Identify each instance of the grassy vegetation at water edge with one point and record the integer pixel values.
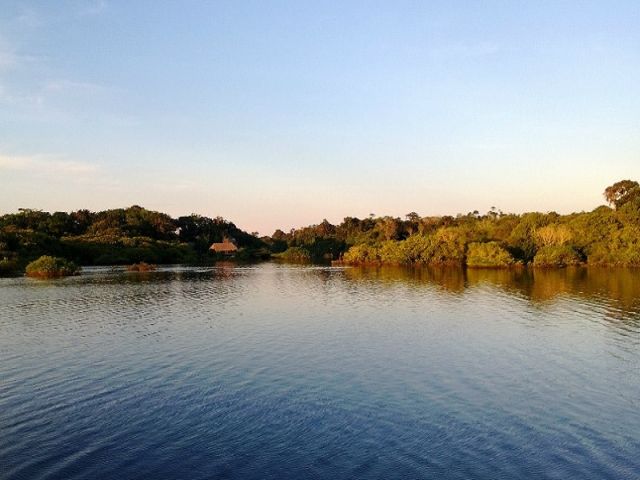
(51, 267)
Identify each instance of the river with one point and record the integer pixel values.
(276, 371)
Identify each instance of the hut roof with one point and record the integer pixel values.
(226, 246)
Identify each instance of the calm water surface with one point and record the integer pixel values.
(275, 371)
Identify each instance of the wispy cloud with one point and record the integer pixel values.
(41, 89)
(10, 56)
(39, 93)
(20, 100)
(39, 96)
(64, 85)
(33, 17)
(46, 164)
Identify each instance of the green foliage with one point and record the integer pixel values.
(116, 237)
(604, 236)
(277, 243)
(446, 247)
(418, 249)
(488, 255)
(622, 248)
(593, 227)
(449, 246)
(391, 252)
(622, 192)
(252, 254)
(325, 249)
(295, 255)
(629, 213)
(51, 267)
(361, 254)
(552, 235)
(556, 256)
(200, 232)
(522, 238)
(113, 250)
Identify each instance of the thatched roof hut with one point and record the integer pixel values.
(227, 246)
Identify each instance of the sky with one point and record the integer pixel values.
(280, 114)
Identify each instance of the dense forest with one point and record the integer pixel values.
(116, 237)
(608, 236)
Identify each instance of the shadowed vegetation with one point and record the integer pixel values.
(115, 237)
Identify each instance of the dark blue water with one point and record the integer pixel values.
(300, 372)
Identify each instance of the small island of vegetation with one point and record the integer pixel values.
(142, 267)
(51, 267)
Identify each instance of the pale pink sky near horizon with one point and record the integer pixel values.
(255, 206)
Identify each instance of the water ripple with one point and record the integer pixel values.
(276, 371)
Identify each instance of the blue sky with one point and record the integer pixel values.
(279, 114)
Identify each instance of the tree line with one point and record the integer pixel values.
(608, 235)
(115, 237)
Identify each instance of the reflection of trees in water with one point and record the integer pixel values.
(621, 285)
(451, 279)
(615, 287)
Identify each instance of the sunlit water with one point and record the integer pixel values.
(276, 371)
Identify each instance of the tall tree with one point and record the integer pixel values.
(621, 192)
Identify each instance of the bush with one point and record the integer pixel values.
(556, 256)
(418, 248)
(488, 255)
(51, 267)
(391, 252)
(361, 253)
(295, 254)
(621, 249)
(553, 235)
(449, 246)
